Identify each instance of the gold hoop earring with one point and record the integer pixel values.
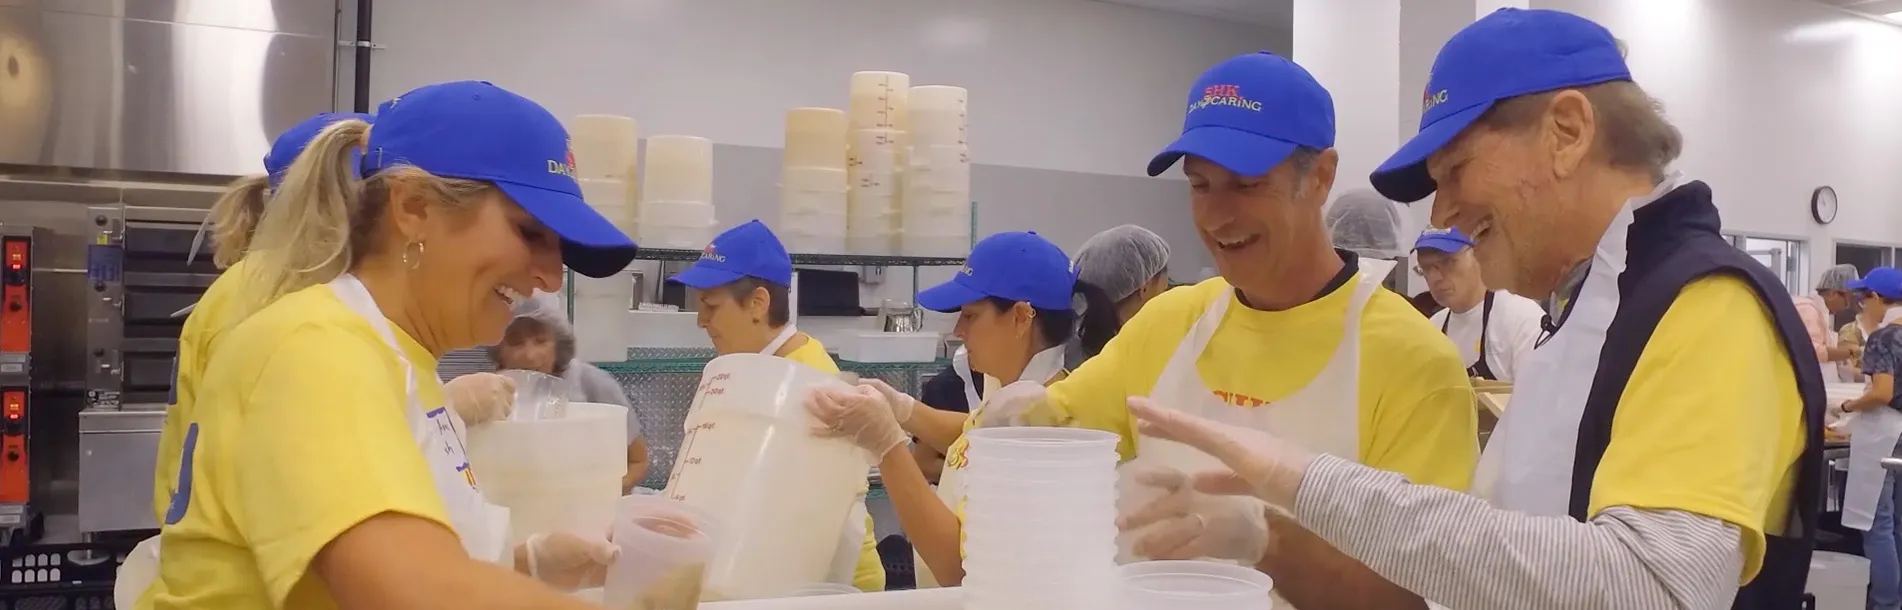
(415, 262)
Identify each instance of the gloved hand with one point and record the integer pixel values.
(569, 562)
(480, 397)
(1185, 523)
(902, 404)
(1258, 464)
(1017, 404)
(860, 414)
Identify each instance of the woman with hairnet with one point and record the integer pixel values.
(540, 339)
(1365, 223)
(1129, 263)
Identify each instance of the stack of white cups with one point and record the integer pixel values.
(607, 153)
(813, 182)
(1040, 519)
(877, 118)
(676, 209)
(936, 207)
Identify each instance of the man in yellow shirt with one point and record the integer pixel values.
(1663, 444)
(1295, 337)
(744, 279)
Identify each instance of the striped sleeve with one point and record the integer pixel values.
(1460, 552)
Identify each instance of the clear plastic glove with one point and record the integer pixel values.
(1185, 523)
(1258, 464)
(480, 397)
(1015, 405)
(902, 404)
(860, 414)
(569, 562)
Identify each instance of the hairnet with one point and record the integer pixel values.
(1837, 277)
(1366, 223)
(1122, 259)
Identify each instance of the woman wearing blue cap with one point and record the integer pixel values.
(1015, 300)
(744, 284)
(324, 469)
(1870, 495)
(232, 220)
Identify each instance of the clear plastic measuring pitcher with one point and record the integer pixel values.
(665, 547)
(780, 493)
(556, 474)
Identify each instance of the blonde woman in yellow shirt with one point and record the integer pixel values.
(323, 469)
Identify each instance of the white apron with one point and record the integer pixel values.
(961, 364)
(1322, 416)
(483, 527)
(1042, 368)
(1873, 433)
(1527, 465)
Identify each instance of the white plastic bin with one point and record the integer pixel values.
(553, 474)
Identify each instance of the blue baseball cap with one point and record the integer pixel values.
(478, 131)
(748, 250)
(1448, 240)
(1885, 282)
(286, 147)
(1509, 53)
(1248, 113)
(1015, 266)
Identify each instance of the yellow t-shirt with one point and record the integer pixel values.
(207, 321)
(870, 574)
(1711, 418)
(302, 434)
(1416, 405)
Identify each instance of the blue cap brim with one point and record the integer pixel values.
(1404, 177)
(949, 297)
(1243, 152)
(590, 244)
(704, 277)
(1855, 284)
(1448, 246)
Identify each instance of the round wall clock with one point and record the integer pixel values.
(1823, 205)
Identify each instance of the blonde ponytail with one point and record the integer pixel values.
(303, 237)
(234, 217)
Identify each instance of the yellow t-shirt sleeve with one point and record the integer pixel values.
(1096, 394)
(323, 444)
(1710, 421)
(1422, 418)
(870, 574)
(185, 374)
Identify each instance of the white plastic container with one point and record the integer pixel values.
(891, 347)
(1193, 585)
(665, 548)
(605, 146)
(878, 99)
(750, 459)
(1040, 519)
(1839, 581)
(553, 474)
(815, 137)
(679, 168)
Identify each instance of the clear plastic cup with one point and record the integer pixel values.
(1080, 471)
(1039, 443)
(1030, 484)
(665, 546)
(1060, 506)
(823, 588)
(1193, 585)
(538, 396)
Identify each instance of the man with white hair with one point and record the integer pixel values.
(1494, 329)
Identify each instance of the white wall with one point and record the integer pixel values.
(1072, 85)
(1775, 98)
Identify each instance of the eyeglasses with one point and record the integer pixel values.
(1425, 269)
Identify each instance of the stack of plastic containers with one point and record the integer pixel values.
(558, 474)
(1193, 585)
(607, 160)
(813, 182)
(780, 494)
(1040, 519)
(935, 213)
(877, 116)
(676, 209)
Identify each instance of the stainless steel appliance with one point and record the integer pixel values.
(139, 280)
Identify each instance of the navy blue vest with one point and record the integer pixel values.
(1672, 242)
